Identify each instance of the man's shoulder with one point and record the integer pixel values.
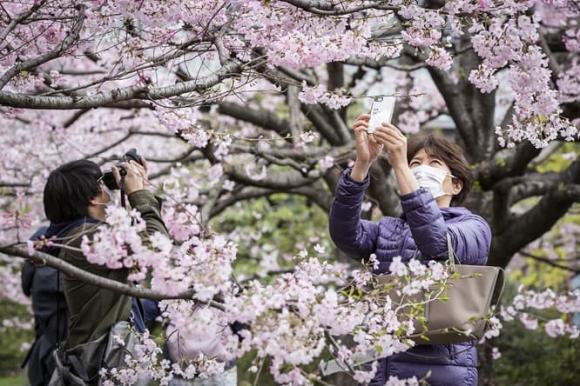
(74, 238)
(72, 242)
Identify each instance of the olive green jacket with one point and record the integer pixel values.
(94, 310)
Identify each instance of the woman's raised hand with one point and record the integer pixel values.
(367, 150)
(395, 144)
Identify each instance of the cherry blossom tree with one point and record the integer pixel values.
(236, 100)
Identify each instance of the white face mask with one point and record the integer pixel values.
(431, 178)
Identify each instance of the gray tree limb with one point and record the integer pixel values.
(261, 118)
(112, 97)
(68, 41)
(99, 281)
(539, 219)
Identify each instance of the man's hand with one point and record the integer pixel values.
(136, 177)
(395, 144)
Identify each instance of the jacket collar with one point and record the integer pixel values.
(60, 230)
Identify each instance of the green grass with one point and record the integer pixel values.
(17, 380)
(11, 341)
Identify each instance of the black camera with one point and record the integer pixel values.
(109, 178)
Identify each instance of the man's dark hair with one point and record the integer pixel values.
(448, 152)
(69, 189)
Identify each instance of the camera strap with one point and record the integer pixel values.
(58, 310)
(123, 194)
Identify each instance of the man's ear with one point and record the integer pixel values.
(457, 186)
(94, 201)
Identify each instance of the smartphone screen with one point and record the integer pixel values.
(381, 112)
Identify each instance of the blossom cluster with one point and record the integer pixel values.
(527, 306)
(313, 95)
(202, 264)
(505, 36)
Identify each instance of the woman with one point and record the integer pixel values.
(431, 174)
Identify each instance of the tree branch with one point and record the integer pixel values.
(14, 184)
(113, 97)
(533, 185)
(316, 193)
(24, 15)
(457, 109)
(549, 262)
(316, 115)
(381, 190)
(276, 180)
(261, 118)
(68, 41)
(502, 166)
(326, 8)
(99, 281)
(294, 113)
(340, 127)
(301, 154)
(552, 62)
(538, 220)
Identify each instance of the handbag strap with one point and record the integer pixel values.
(452, 257)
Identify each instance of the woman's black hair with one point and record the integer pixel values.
(69, 189)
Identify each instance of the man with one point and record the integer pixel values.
(75, 202)
(40, 283)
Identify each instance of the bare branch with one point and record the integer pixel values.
(552, 62)
(340, 127)
(539, 219)
(275, 180)
(14, 184)
(298, 76)
(301, 154)
(533, 185)
(294, 113)
(316, 115)
(261, 118)
(549, 262)
(316, 193)
(507, 163)
(325, 8)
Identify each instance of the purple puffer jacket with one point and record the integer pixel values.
(423, 225)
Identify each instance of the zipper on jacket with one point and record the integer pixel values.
(451, 349)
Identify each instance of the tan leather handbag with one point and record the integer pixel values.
(462, 310)
(471, 295)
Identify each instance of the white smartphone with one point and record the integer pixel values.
(381, 112)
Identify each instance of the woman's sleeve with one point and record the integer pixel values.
(349, 232)
(471, 238)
